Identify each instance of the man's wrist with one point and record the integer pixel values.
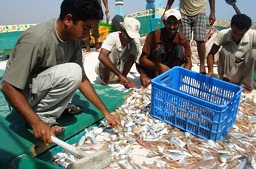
(143, 75)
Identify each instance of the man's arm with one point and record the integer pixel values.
(88, 91)
(145, 62)
(212, 12)
(188, 62)
(144, 79)
(210, 58)
(104, 58)
(168, 6)
(157, 67)
(41, 130)
(105, 2)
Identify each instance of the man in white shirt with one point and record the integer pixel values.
(118, 53)
(237, 58)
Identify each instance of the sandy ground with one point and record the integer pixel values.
(91, 59)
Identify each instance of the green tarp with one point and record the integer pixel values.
(17, 140)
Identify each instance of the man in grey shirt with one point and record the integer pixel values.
(45, 69)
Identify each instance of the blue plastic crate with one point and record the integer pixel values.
(201, 105)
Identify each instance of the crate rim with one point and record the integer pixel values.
(204, 76)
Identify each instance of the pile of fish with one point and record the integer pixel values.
(144, 142)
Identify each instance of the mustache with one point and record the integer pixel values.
(171, 29)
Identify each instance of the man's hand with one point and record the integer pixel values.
(212, 18)
(107, 17)
(145, 80)
(127, 83)
(43, 132)
(130, 85)
(113, 121)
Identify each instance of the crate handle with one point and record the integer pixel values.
(165, 77)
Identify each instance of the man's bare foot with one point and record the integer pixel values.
(246, 91)
(202, 69)
(104, 83)
(97, 46)
(87, 49)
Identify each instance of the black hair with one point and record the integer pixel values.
(81, 10)
(241, 21)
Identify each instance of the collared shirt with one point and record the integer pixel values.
(247, 42)
(113, 40)
(160, 36)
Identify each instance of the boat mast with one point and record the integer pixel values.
(150, 4)
(119, 7)
(154, 5)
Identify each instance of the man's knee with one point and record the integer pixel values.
(224, 51)
(73, 72)
(179, 52)
(158, 52)
(252, 54)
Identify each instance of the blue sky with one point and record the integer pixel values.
(37, 11)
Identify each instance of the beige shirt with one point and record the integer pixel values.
(247, 42)
(192, 7)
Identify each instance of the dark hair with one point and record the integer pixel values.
(241, 21)
(81, 10)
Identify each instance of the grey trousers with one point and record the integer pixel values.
(238, 72)
(53, 89)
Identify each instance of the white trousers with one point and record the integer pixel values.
(53, 89)
(238, 72)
